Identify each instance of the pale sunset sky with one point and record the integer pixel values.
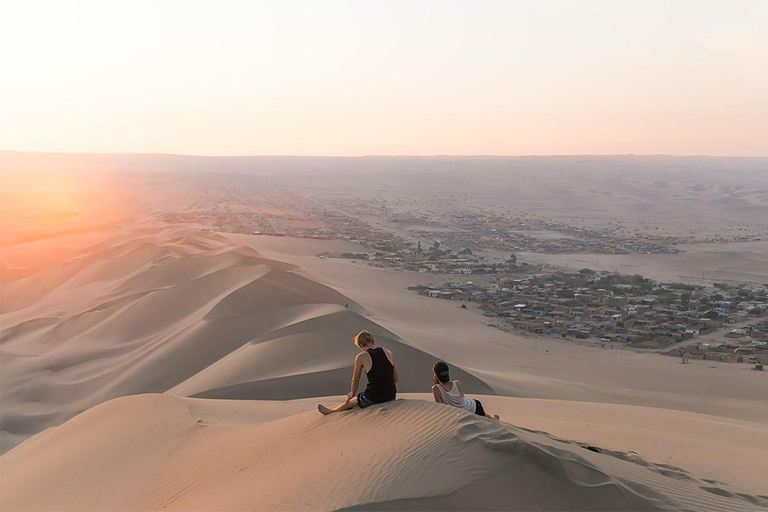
(360, 77)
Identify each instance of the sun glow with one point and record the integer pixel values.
(45, 197)
(37, 205)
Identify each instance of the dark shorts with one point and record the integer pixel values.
(363, 401)
(479, 408)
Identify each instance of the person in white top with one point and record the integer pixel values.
(450, 392)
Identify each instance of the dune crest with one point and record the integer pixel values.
(177, 310)
(150, 452)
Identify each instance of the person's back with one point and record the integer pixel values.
(380, 369)
(451, 393)
(381, 377)
(453, 397)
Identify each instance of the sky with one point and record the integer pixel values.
(392, 77)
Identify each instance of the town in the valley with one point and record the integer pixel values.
(474, 248)
(722, 323)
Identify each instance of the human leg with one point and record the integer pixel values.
(480, 411)
(349, 403)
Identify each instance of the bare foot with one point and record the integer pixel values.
(323, 410)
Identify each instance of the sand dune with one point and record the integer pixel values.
(308, 353)
(180, 310)
(515, 365)
(237, 336)
(710, 447)
(156, 451)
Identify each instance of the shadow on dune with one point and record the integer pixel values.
(180, 311)
(152, 452)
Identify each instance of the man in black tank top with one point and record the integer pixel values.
(381, 370)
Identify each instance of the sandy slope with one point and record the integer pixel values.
(151, 452)
(150, 308)
(153, 309)
(709, 447)
(745, 262)
(527, 367)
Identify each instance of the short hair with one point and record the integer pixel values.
(441, 370)
(363, 339)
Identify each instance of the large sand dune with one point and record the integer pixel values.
(176, 309)
(529, 367)
(158, 451)
(236, 336)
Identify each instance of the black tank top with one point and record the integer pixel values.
(381, 377)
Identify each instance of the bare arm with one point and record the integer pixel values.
(461, 389)
(395, 367)
(391, 358)
(436, 393)
(356, 374)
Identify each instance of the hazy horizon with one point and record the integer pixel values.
(393, 155)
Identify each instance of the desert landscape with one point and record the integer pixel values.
(398, 255)
(167, 336)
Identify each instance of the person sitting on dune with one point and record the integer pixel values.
(381, 370)
(450, 392)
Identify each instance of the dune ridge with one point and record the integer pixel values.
(151, 451)
(179, 310)
(236, 340)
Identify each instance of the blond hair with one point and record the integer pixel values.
(364, 339)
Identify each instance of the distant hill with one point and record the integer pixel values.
(23, 161)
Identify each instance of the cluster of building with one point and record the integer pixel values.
(291, 218)
(390, 230)
(522, 233)
(721, 239)
(745, 344)
(421, 261)
(630, 310)
(223, 219)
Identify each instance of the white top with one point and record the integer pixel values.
(454, 398)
